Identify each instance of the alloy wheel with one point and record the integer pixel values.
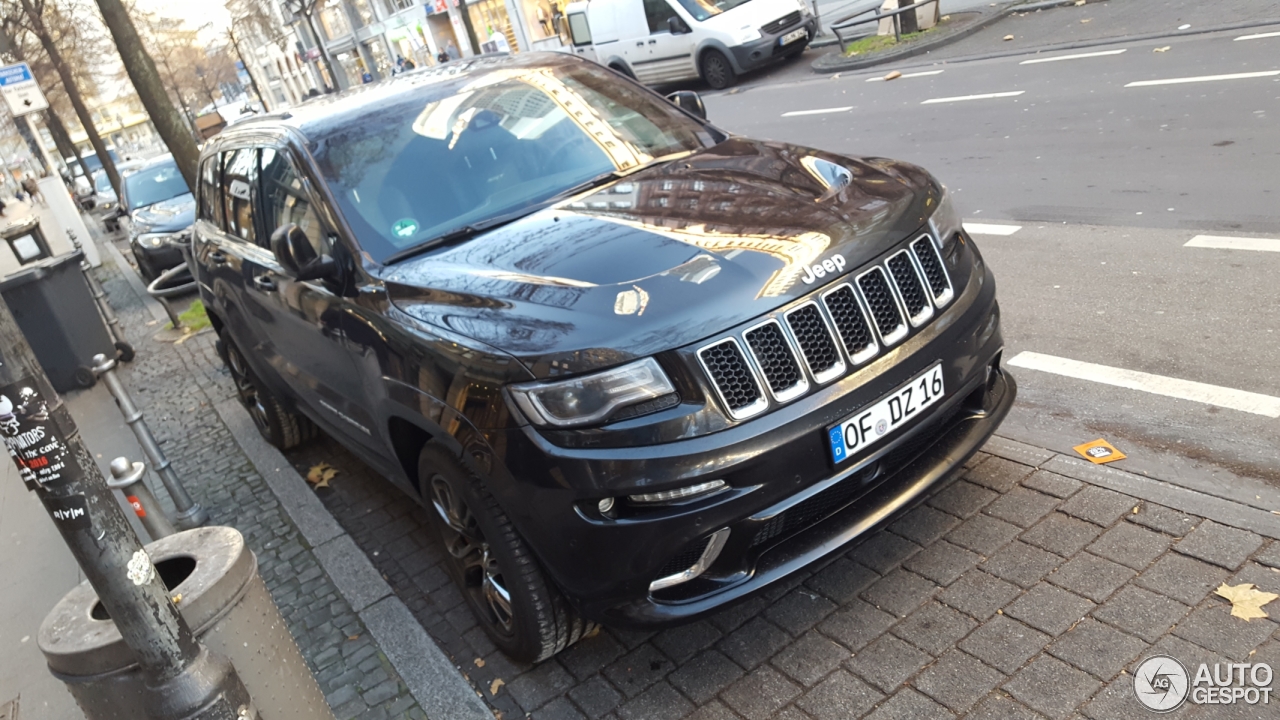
(245, 389)
(471, 555)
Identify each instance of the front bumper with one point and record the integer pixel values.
(749, 56)
(787, 506)
(157, 259)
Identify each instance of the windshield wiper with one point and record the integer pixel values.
(458, 234)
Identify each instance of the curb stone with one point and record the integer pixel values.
(435, 682)
(839, 63)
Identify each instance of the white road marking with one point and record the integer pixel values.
(1234, 243)
(1157, 384)
(820, 111)
(985, 229)
(1204, 78)
(962, 98)
(908, 75)
(1073, 57)
(1259, 36)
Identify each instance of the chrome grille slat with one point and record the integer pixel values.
(909, 284)
(817, 346)
(883, 305)
(930, 262)
(734, 379)
(851, 323)
(776, 358)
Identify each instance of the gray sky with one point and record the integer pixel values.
(195, 12)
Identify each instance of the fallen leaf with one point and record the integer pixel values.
(893, 75)
(1086, 20)
(944, 18)
(1008, 37)
(353, 637)
(495, 685)
(1079, 3)
(320, 475)
(479, 662)
(1246, 601)
(1162, 49)
(177, 598)
(1135, 509)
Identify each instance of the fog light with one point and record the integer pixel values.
(678, 494)
(605, 506)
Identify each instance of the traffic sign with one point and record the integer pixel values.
(20, 90)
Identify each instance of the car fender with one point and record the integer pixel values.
(711, 43)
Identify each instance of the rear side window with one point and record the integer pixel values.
(286, 200)
(658, 12)
(210, 200)
(239, 177)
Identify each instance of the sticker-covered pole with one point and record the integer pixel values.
(183, 679)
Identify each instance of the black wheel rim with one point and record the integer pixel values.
(246, 391)
(717, 71)
(469, 551)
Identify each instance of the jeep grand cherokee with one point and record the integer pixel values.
(638, 368)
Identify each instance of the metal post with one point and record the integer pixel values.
(183, 679)
(190, 514)
(127, 478)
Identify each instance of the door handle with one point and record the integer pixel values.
(264, 283)
(217, 257)
(640, 44)
(653, 42)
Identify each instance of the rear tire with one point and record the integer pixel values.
(716, 70)
(623, 70)
(283, 429)
(521, 611)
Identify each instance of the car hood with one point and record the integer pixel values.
(167, 215)
(666, 256)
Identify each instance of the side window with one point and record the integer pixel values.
(658, 12)
(240, 173)
(210, 199)
(286, 200)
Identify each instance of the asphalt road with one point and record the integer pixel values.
(1108, 183)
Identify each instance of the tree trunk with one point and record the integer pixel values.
(908, 19)
(150, 88)
(62, 139)
(73, 93)
(253, 79)
(466, 22)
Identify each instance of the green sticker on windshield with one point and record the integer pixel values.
(404, 228)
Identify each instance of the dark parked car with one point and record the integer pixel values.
(638, 367)
(159, 206)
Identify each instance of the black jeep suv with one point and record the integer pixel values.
(640, 368)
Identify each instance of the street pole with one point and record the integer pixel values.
(44, 151)
(183, 679)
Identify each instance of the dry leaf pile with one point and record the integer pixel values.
(320, 475)
(1246, 600)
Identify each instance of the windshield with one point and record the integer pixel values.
(703, 9)
(154, 184)
(489, 145)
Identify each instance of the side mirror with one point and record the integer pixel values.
(294, 252)
(676, 25)
(689, 101)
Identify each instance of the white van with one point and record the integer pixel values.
(661, 41)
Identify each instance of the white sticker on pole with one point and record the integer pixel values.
(20, 90)
(140, 568)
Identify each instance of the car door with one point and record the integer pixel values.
(670, 56)
(302, 328)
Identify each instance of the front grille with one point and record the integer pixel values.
(910, 287)
(826, 338)
(778, 25)
(816, 344)
(875, 289)
(732, 377)
(931, 263)
(777, 362)
(685, 559)
(850, 322)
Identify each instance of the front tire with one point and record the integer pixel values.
(283, 429)
(716, 70)
(520, 610)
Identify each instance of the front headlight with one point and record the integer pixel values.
(945, 222)
(591, 398)
(152, 240)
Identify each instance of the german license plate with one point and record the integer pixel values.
(792, 36)
(877, 422)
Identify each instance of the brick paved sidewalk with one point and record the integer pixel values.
(177, 386)
(1016, 592)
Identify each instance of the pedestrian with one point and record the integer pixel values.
(32, 190)
(408, 65)
(442, 57)
(366, 77)
(452, 50)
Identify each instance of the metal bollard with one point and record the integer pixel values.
(127, 478)
(189, 512)
(104, 306)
